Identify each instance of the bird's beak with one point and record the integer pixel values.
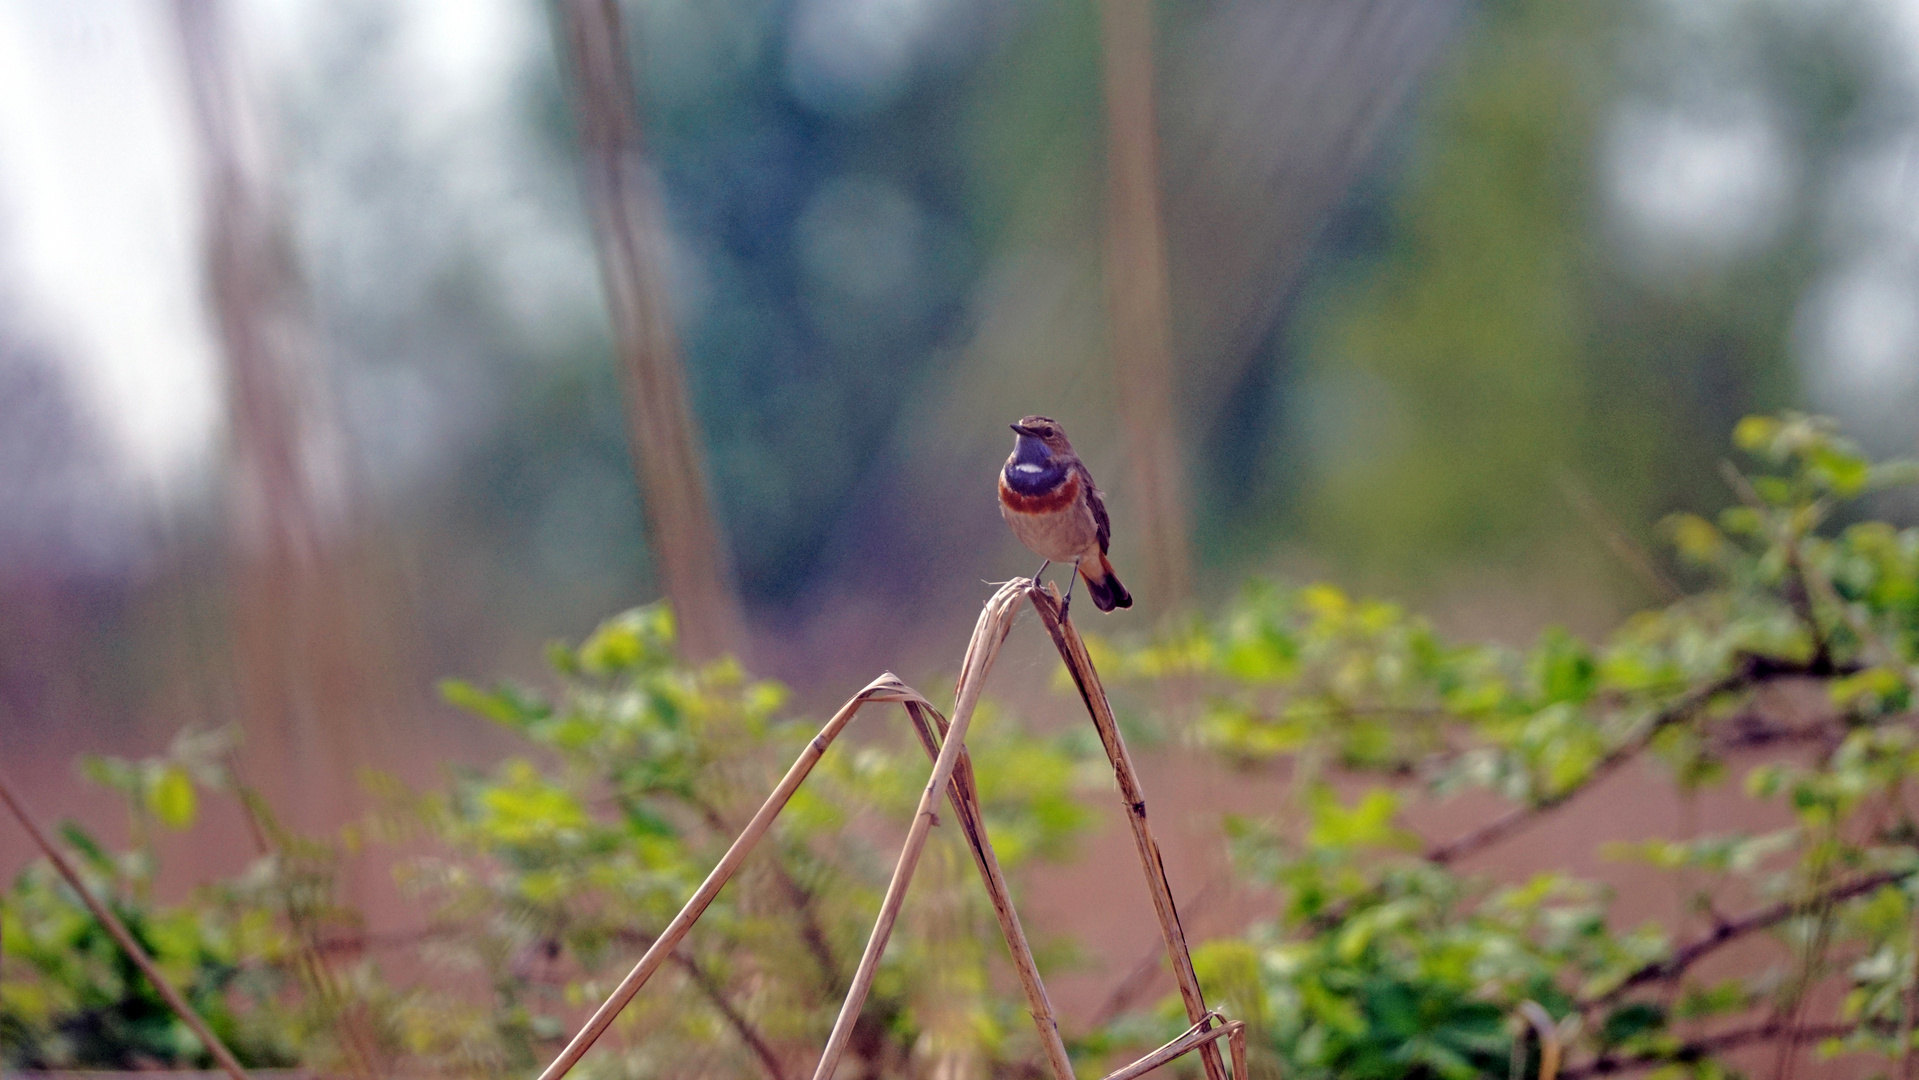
(1026, 431)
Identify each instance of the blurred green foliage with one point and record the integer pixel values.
(1384, 959)
(554, 876)
(1788, 675)
(72, 999)
(542, 881)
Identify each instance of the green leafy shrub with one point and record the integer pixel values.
(1384, 959)
(545, 877)
(555, 873)
(73, 999)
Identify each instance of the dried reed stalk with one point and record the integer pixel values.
(1197, 1037)
(953, 774)
(995, 622)
(1078, 664)
(629, 236)
(1139, 301)
(885, 688)
(1543, 1025)
(964, 795)
(118, 929)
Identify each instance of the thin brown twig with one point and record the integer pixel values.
(1702, 1048)
(811, 932)
(1750, 671)
(1518, 818)
(1200, 1031)
(1809, 971)
(121, 934)
(963, 793)
(1079, 665)
(742, 1027)
(1729, 931)
(270, 839)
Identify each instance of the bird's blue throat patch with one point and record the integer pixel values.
(1033, 470)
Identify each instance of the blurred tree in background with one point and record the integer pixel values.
(1610, 231)
(1451, 283)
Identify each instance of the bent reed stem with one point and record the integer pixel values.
(1079, 665)
(963, 793)
(995, 622)
(952, 776)
(885, 688)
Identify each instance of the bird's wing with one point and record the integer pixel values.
(1100, 522)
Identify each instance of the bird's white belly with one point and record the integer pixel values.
(1060, 535)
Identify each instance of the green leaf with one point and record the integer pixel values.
(1844, 474)
(1696, 539)
(503, 705)
(91, 850)
(1369, 823)
(172, 799)
(1632, 1021)
(1872, 682)
(1754, 433)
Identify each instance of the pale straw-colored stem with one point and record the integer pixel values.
(885, 688)
(963, 793)
(118, 929)
(1547, 1029)
(995, 621)
(1197, 1037)
(1080, 666)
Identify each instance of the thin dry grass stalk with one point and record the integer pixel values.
(1080, 666)
(1139, 299)
(1197, 1037)
(1547, 1030)
(953, 775)
(885, 688)
(995, 622)
(118, 929)
(629, 238)
(964, 795)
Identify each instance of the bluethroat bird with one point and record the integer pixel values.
(1050, 500)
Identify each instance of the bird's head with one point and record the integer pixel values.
(1045, 431)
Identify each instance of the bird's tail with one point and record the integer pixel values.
(1107, 592)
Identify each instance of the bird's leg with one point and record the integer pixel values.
(1041, 570)
(1068, 602)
